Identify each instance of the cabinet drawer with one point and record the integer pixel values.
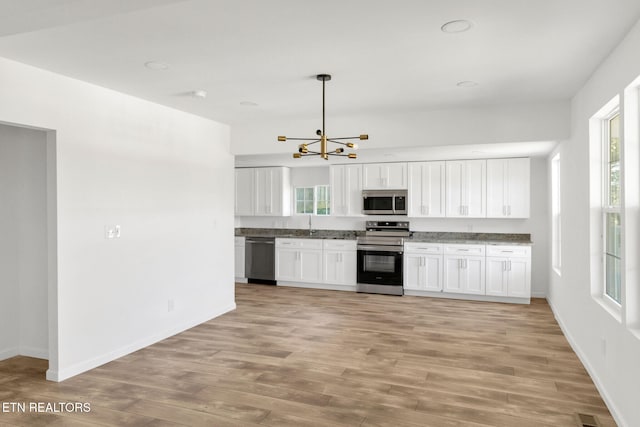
(423, 248)
(474, 250)
(508, 251)
(339, 245)
(239, 240)
(299, 243)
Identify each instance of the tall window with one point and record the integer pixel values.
(612, 229)
(313, 200)
(556, 253)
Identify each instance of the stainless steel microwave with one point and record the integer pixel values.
(384, 202)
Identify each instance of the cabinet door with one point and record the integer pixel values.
(239, 261)
(372, 176)
(272, 191)
(263, 185)
(310, 266)
(496, 276)
(346, 190)
(395, 176)
(452, 274)
(454, 198)
(432, 266)
(475, 188)
(472, 276)
(338, 190)
(508, 188)
(518, 188)
(426, 189)
(244, 192)
(497, 188)
(519, 277)
(413, 271)
(339, 267)
(286, 264)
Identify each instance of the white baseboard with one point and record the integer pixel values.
(468, 297)
(613, 409)
(78, 368)
(538, 295)
(38, 353)
(330, 287)
(9, 353)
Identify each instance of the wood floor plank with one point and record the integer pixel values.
(305, 357)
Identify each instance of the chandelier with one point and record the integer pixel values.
(303, 149)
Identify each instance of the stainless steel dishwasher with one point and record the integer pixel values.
(260, 260)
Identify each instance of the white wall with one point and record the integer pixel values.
(481, 125)
(610, 349)
(9, 281)
(536, 225)
(155, 172)
(23, 192)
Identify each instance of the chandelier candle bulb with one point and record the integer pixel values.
(324, 152)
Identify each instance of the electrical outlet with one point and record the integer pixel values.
(109, 232)
(117, 232)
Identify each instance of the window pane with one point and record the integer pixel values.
(614, 184)
(614, 138)
(612, 255)
(612, 233)
(308, 206)
(299, 193)
(299, 207)
(613, 277)
(308, 194)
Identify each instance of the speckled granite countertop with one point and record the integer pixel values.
(470, 238)
(416, 236)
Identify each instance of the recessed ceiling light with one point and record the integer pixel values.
(248, 104)
(156, 65)
(467, 83)
(199, 93)
(458, 26)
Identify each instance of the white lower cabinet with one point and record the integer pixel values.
(464, 269)
(509, 271)
(299, 260)
(423, 264)
(339, 262)
(239, 257)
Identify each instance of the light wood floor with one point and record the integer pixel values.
(302, 357)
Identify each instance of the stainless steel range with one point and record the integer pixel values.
(380, 253)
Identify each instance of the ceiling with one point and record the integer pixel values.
(384, 55)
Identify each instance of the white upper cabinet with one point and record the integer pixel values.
(426, 189)
(382, 176)
(346, 190)
(508, 188)
(466, 188)
(244, 191)
(263, 191)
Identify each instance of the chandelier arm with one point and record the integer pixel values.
(346, 137)
(338, 142)
(303, 139)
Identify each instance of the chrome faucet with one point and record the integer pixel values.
(311, 231)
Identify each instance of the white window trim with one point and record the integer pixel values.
(596, 197)
(556, 214)
(606, 208)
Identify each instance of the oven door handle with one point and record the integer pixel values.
(377, 248)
